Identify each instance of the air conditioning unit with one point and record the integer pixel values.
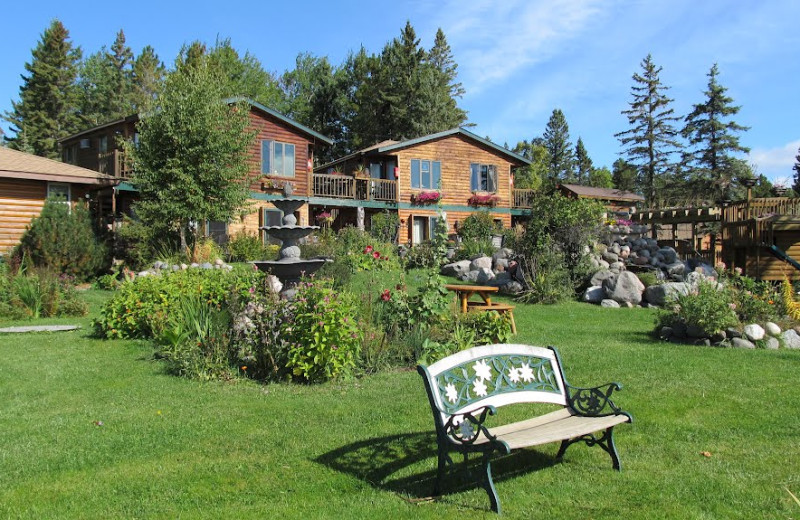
(85, 143)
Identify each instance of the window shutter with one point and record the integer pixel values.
(475, 180)
(415, 181)
(492, 179)
(436, 168)
(266, 163)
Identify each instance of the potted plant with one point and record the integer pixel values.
(361, 171)
(426, 197)
(487, 199)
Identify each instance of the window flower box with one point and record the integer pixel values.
(276, 184)
(483, 200)
(426, 197)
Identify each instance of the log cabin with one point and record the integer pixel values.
(453, 174)
(27, 180)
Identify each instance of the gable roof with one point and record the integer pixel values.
(277, 115)
(390, 145)
(20, 165)
(590, 192)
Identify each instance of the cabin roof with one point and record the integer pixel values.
(20, 165)
(590, 192)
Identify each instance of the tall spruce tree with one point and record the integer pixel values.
(652, 139)
(148, 76)
(713, 139)
(583, 163)
(105, 83)
(440, 89)
(796, 168)
(47, 106)
(559, 149)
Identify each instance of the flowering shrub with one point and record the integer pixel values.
(399, 309)
(324, 218)
(623, 222)
(710, 308)
(483, 200)
(427, 197)
(34, 294)
(370, 259)
(141, 307)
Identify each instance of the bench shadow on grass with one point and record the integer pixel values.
(406, 465)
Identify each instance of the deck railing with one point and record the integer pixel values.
(114, 163)
(523, 198)
(758, 208)
(344, 187)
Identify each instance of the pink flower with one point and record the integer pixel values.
(376, 255)
(367, 249)
(386, 295)
(738, 271)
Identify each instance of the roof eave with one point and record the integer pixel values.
(283, 118)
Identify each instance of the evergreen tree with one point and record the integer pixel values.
(556, 141)
(713, 138)
(47, 108)
(583, 163)
(243, 75)
(624, 175)
(796, 168)
(439, 89)
(651, 139)
(121, 61)
(105, 84)
(403, 58)
(533, 175)
(148, 76)
(191, 160)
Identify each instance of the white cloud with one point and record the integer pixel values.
(775, 162)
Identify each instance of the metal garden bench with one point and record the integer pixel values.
(467, 387)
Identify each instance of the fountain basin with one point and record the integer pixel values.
(291, 269)
(292, 234)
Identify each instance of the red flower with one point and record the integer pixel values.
(376, 255)
(386, 295)
(368, 249)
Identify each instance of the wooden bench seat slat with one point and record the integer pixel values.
(521, 436)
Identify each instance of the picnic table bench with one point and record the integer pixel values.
(464, 389)
(465, 292)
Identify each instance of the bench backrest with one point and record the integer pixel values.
(493, 375)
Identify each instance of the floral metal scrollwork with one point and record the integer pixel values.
(593, 402)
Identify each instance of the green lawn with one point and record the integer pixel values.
(170, 448)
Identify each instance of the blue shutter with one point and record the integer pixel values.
(475, 180)
(415, 173)
(266, 163)
(436, 168)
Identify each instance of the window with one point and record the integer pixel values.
(426, 174)
(272, 217)
(484, 177)
(422, 229)
(277, 158)
(217, 231)
(70, 154)
(58, 191)
(102, 144)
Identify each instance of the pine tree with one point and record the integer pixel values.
(796, 168)
(583, 163)
(47, 108)
(714, 139)
(651, 140)
(624, 175)
(148, 76)
(556, 141)
(440, 89)
(121, 61)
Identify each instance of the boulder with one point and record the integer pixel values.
(511, 288)
(773, 343)
(499, 279)
(615, 248)
(603, 264)
(624, 252)
(600, 276)
(219, 261)
(594, 294)
(625, 288)
(675, 268)
(733, 333)
(772, 328)
(741, 343)
(791, 339)
(609, 303)
(456, 268)
(641, 260)
(206, 265)
(484, 275)
(482, 262)
(693, 331)
(670, 255)
(754, 332)
(610, 257)
(501, 264)
(471, 276)
(665, 333)
(661, 293)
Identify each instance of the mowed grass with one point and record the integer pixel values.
(364, 448)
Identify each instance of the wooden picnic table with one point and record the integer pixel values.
(465, 292)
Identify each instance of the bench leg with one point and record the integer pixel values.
(606, 442)
(444, 461)
(488, 484)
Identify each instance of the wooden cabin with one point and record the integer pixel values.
(613, 199)
(454, 173)
(282, 153)
(27, 180)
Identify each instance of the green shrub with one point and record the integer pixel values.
(39, 294)
(141, 307)
(462, 331)
(649, 278)
(245, 247)
(472, 248)
(422, 256)
(708, 308)
(62, 239)
(384, 226)
(477, 226)
(398, 309)
(549, 280)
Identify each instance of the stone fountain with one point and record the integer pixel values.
(290, 267)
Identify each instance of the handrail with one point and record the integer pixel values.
(523, 198)
(346, 187)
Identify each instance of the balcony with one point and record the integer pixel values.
(345, 187)
(114, 163)
(522, 198)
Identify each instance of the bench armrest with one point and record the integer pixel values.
(593, 402)
(466, 428)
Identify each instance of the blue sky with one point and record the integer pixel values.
(518, 59)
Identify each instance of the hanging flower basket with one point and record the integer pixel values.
(483, 200)
(324, 218)
(426, 197)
